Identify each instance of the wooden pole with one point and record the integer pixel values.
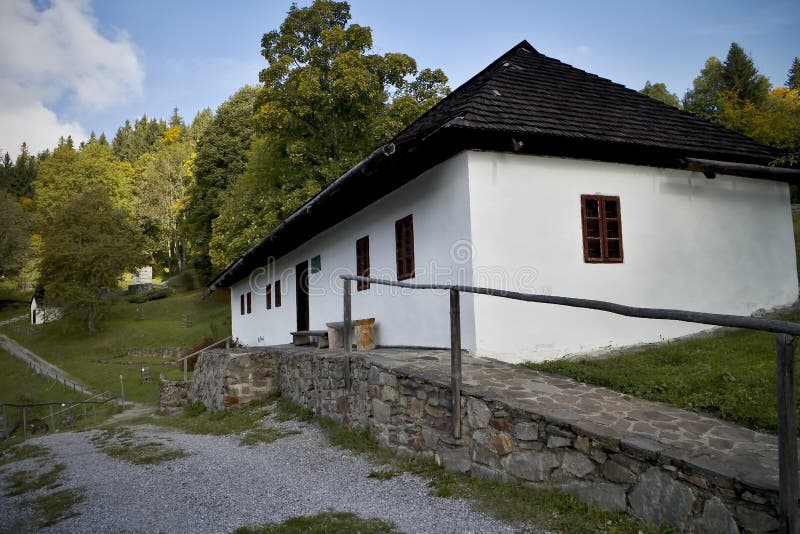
(52, 419)
(6, 426)
(455, 360)
(24, 422)
(185, 369)
(346, 343)
(787, 436)
(122, 390)
(84, 414)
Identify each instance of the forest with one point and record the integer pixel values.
(191, 196)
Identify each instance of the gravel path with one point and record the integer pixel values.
(223, 485)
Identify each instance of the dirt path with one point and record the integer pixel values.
(42, 366)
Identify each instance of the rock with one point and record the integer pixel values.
(608, 497)
(373, 376)
(598, 456)
(455, 459)
(434, 411)
(558, 431)
(554, 442)
(389, 394)
(526, 431)
(230, 400)
(478, 413)
(485, 455)
(487, 473)
(381, 411)
(754, 520)
(716, 519)
(658, 499)
(750, 497)
(616, 473)
(431, 437)
(583, 444)
(577, 464)
(530, 465)
(502, 443)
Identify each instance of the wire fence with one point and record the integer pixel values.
(41, 417)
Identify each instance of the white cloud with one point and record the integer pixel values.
(57, 54)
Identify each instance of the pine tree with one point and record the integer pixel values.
(793, 81)
(742, 78)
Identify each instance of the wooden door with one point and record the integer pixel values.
(301, 293)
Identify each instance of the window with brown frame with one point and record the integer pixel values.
(241, 304)
(602, 229)
(249, 303)
(362, 261)
(404, 247)
(277, 293)
(269, 296)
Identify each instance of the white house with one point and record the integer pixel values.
(41, 314)
(537, 177)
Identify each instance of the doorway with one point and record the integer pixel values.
(301, 295)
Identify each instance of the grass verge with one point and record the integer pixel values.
(324, 523)
(195, 419)
(55, 507)
(730, 375)
(21, 482)
(17, 453)
(120, 443)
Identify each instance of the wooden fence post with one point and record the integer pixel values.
(346, 343)
(122, 390)
(52, 419)
(185, 369)
(24, 422)
(455, 360)
(787, 435)
(6, 426)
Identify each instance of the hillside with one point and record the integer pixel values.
(183, 320)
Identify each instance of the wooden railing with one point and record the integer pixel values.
(785, 348)
(67, 406)
(185, 359)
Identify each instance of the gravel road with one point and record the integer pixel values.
(223, 485)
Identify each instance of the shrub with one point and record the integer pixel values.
(194, 409)
(153, 294)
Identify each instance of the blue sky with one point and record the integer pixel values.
(72, 66)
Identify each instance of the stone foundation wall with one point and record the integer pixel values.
(173, 396)
(411, 415)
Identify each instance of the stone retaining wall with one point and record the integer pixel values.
(411, 415)
(173, 396)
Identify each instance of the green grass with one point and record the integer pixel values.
(729, 375)
(120, 443)
(67, 344)
(324, 523)
(10, 454)
(195, 420)
(264, 435)
(21, 482)
(55, 507)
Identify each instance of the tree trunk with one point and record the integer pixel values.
(92, 317)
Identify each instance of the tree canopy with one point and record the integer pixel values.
(325, 103)
(658, 91)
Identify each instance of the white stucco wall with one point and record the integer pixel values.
(439, 203)
(724, 245)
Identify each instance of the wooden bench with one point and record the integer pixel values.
(364, 334)
(303, 337)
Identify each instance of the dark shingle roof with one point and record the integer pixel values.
(527, 102)
(526, 92)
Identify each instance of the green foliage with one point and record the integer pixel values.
(702, 98)
(15, 235)
(67, 174)
(221, 156)
(194, 409)
(21, 482)
(88, 244)
(55, 507)
(325, 103)
(793, 79)
(153, 294)
(17, 177)
(131, 142)
(121, 443)
(219, 423)
(775, 122)
(287, 410)
(323, 523)
(658, 91)
(741, 76)
(18, 453)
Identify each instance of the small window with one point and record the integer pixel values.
(404, 247)
(602, 229)
(316, 264)
(277, 293)
(249, 303)
(269, 296)
(241, 304)
(362, 261)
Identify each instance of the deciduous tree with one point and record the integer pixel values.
(659, 92)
